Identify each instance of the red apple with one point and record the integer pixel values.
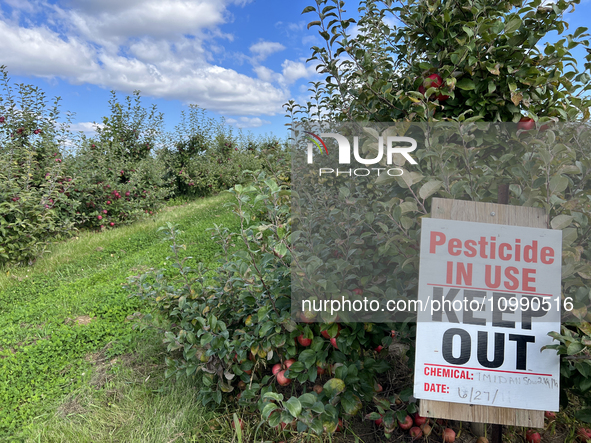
(550, 415)
(406, 424)
(419, 421)
(436, 81)
(526, 124)
(282, 379)
(449, 435)
(248, 371)
(304, 341)
(379, 348)
(358, 291)
(276, 368)
(320, 370)
(288, 363)
(584, 434)
(379, 421)
(379, 388)
(433, 81)
(318, 389)
(426, 428)
(333, 341)
(415, 432)
(339, 426)
(533, 436)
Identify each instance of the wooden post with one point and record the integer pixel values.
(496, 435)
(502, 215)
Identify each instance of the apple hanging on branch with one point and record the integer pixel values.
(433, 81)
(526, 124)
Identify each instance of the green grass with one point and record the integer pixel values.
(65, 320)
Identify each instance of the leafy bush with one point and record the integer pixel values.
(116, 179)
(131, 131)
(231, 327)
(447, 60)
(28, 218)
(32, 182)
(204, 156)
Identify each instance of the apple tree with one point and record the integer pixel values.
(450, 60)
(512, 88)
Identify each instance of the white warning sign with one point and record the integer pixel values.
(489, 295)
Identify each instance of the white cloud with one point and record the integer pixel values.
(299, 26)
(263, 49)
(293, 71)
(160, 48)
(41, 52)
(88, 128)
(266, 74)
(115, 20)
(245, 122)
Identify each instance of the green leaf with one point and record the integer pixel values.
(307, 400)
(558, 183)
(351, 404)
(583, 415)
(308, 357)
(429, 188)
(206, 338)
(513, 25)
(316, 426)
(269, 407)
(273, 396)
(274, 419)
(561, 221)
(294, 406)
(574, 348)
(318, 407)
(373, 416)
(466, 84)
(296, 367)
(334, 387)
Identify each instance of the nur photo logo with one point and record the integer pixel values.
(387, 146)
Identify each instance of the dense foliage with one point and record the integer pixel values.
(234, 331)
(53, 182)
(464, 62)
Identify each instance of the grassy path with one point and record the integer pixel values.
(68, 356)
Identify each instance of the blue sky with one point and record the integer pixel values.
(237, 58)
(242, 59)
